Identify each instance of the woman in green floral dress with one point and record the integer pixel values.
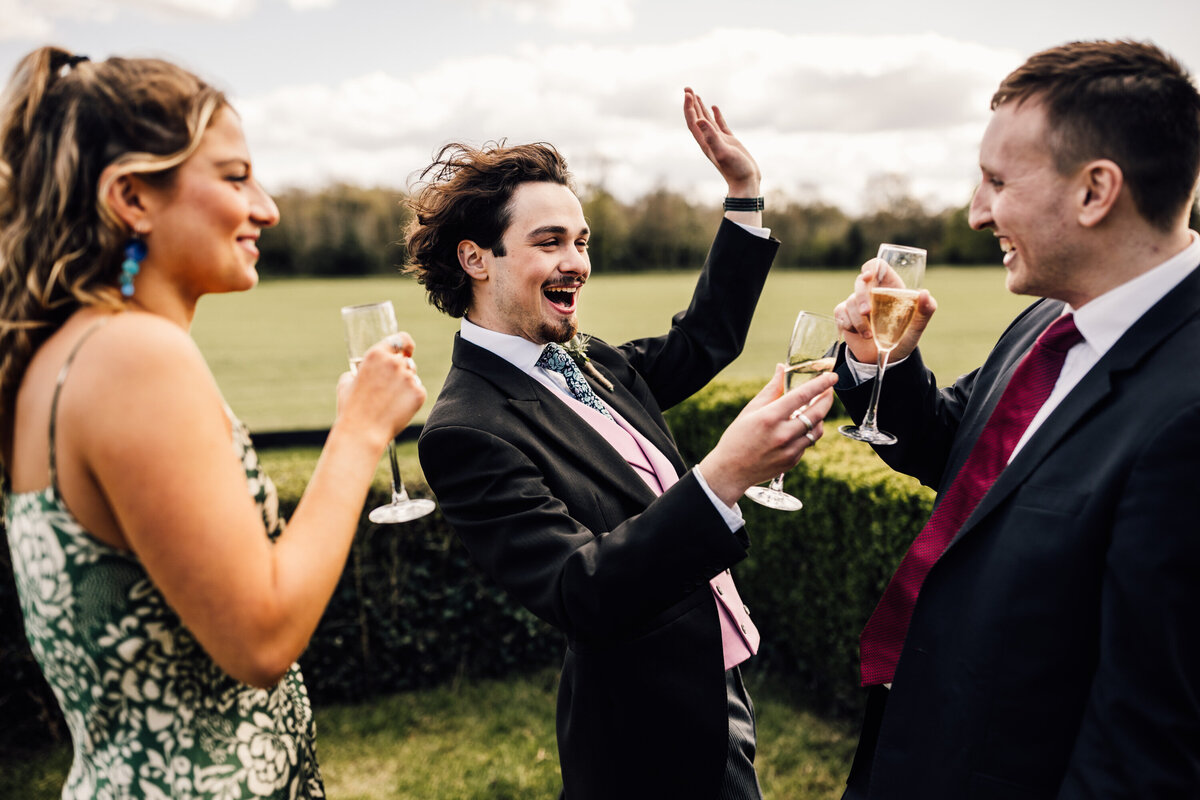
(162, 597)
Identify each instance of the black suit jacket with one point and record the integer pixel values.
(1053, 650)
(562, 522)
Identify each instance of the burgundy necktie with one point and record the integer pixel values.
(1031, 384)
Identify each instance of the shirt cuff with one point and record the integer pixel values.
(862, 372)
(731, 514)
(762, 233)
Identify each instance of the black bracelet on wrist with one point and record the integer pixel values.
(744, 204)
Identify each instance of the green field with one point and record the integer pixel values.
(277, 351)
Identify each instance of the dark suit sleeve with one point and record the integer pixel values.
(615, 582)
(1140, 735)
(710, 334)
(924, 418)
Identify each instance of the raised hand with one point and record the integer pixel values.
(722, 148)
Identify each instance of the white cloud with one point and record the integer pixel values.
(192, 9)
(35, 19)
(824, 111)
(22, 21)
(31, 20)
(583, 15)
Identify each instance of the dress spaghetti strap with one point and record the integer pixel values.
(62, 377)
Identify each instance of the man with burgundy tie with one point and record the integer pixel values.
(565, 484)
(1039, 639)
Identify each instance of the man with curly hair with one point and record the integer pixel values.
(565, 484)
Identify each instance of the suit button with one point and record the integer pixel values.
(720, 591)
(743, 627)
(727, 572)
(746, 609)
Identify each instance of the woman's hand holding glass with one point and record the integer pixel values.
(367, 327)
(385, 391)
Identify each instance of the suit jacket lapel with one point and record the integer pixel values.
(1176, 308)
(557, 425)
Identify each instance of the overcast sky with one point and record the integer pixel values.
(826, 94)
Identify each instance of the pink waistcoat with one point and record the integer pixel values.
(739, 637)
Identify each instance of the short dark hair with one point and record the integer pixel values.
(1125, 101)
(466, 193)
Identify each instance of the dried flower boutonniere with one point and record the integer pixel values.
(577, 348)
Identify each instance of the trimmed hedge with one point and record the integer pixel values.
(411, 611)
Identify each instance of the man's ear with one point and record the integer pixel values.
(1100, 184)
(471, 257)
(126, 197)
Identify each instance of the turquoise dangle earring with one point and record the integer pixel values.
(135, 251)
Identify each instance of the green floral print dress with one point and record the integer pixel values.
(150, 714)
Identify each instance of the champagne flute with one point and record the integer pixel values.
(366, 325)
(891, 311)
(812, 350)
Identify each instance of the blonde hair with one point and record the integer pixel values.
(63, 121)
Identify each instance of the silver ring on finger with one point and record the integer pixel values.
(411, 364)
(807, 422)
(811, 439)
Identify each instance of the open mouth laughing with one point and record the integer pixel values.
(563, 297)
(1009, 249)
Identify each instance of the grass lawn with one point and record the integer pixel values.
(495, 740)
(277, 351)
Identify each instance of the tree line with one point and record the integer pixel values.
(345, 230)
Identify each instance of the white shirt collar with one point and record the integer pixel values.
(521, 353)
(1105, 319)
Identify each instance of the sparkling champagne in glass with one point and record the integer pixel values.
(811, 352)
(366, 325)
(892, 309)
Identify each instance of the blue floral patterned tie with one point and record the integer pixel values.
(556, 359)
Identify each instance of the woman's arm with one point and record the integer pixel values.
(150, 426)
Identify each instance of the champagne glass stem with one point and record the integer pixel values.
(777, 482)
(881, 360)
(399, 494)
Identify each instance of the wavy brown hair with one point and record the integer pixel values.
(466, 193)
(63, 121)
(1125, 101)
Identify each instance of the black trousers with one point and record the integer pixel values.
(858, 783)
(740, 781)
